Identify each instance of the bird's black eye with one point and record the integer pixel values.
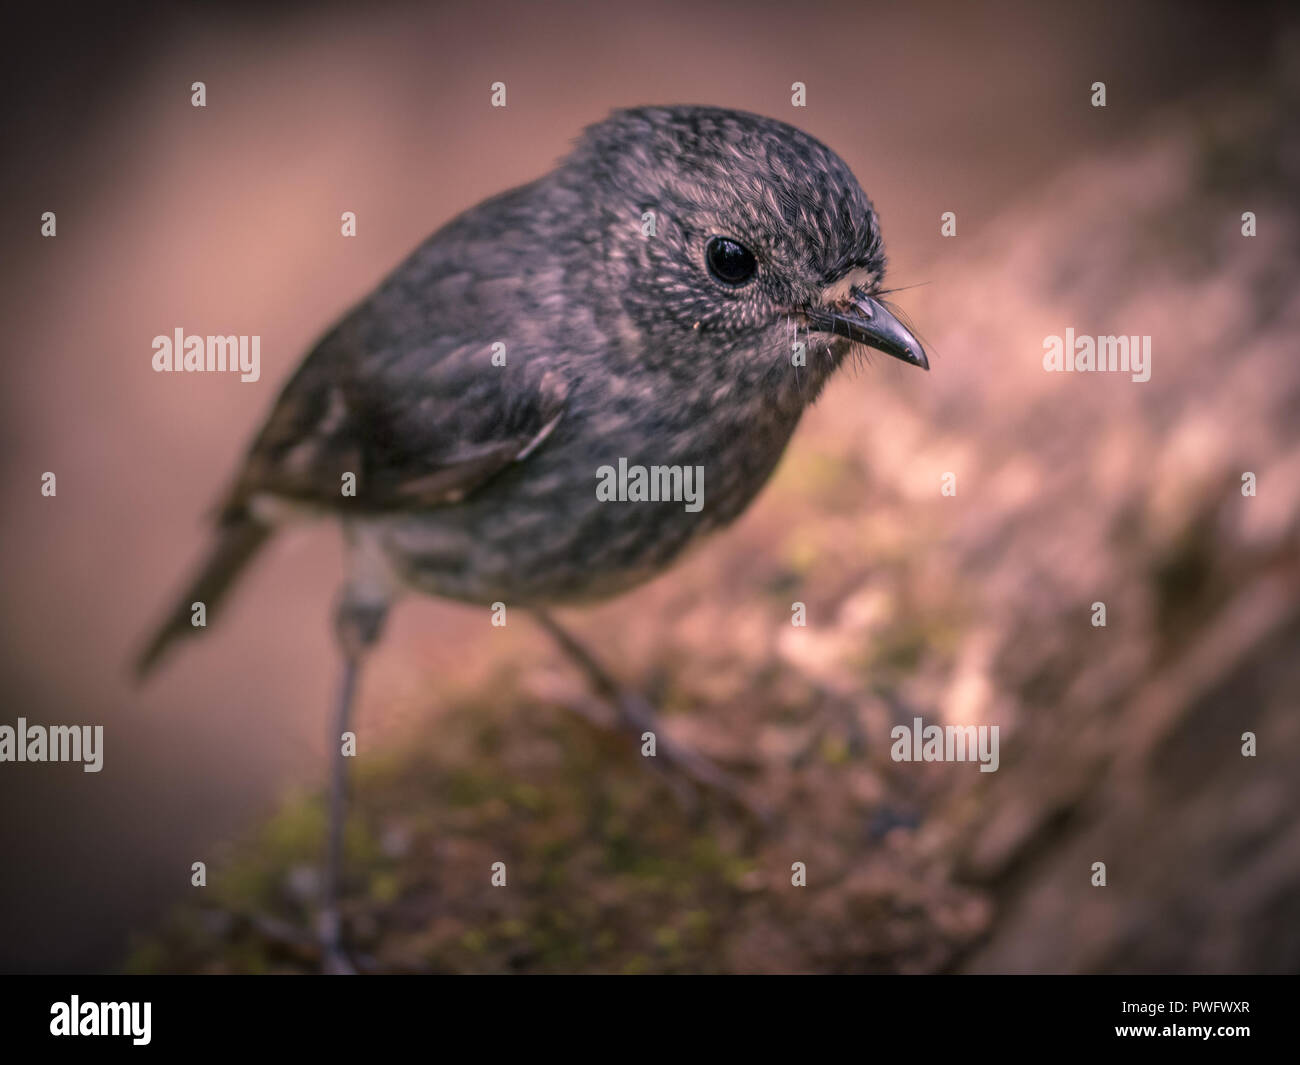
(729, 262)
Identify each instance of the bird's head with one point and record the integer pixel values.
(728, 233)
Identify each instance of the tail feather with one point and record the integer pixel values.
(238, 540)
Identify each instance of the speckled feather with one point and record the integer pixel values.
(477, 481)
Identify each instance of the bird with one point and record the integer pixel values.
(676, 291)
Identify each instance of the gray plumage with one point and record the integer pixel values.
(477, 481)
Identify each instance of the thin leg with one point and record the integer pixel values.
(329, 922)
(637, 715)
(358, 627)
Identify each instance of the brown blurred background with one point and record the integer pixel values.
(226, 220)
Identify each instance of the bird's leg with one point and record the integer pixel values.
(357, 626)
(637, 715)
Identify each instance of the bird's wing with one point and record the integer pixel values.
(404, 393)
(417, 423)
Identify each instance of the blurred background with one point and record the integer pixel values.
(1120, 744)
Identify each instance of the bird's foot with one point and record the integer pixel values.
(334, 960)
(638, 716)
(306, 947)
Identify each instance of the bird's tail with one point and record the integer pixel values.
(238, 539)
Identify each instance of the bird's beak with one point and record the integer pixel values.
(867, 321)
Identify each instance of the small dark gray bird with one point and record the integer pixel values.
(650, 292)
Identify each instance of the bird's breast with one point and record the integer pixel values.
(617, 492)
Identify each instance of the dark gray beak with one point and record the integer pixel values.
(867, 321)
